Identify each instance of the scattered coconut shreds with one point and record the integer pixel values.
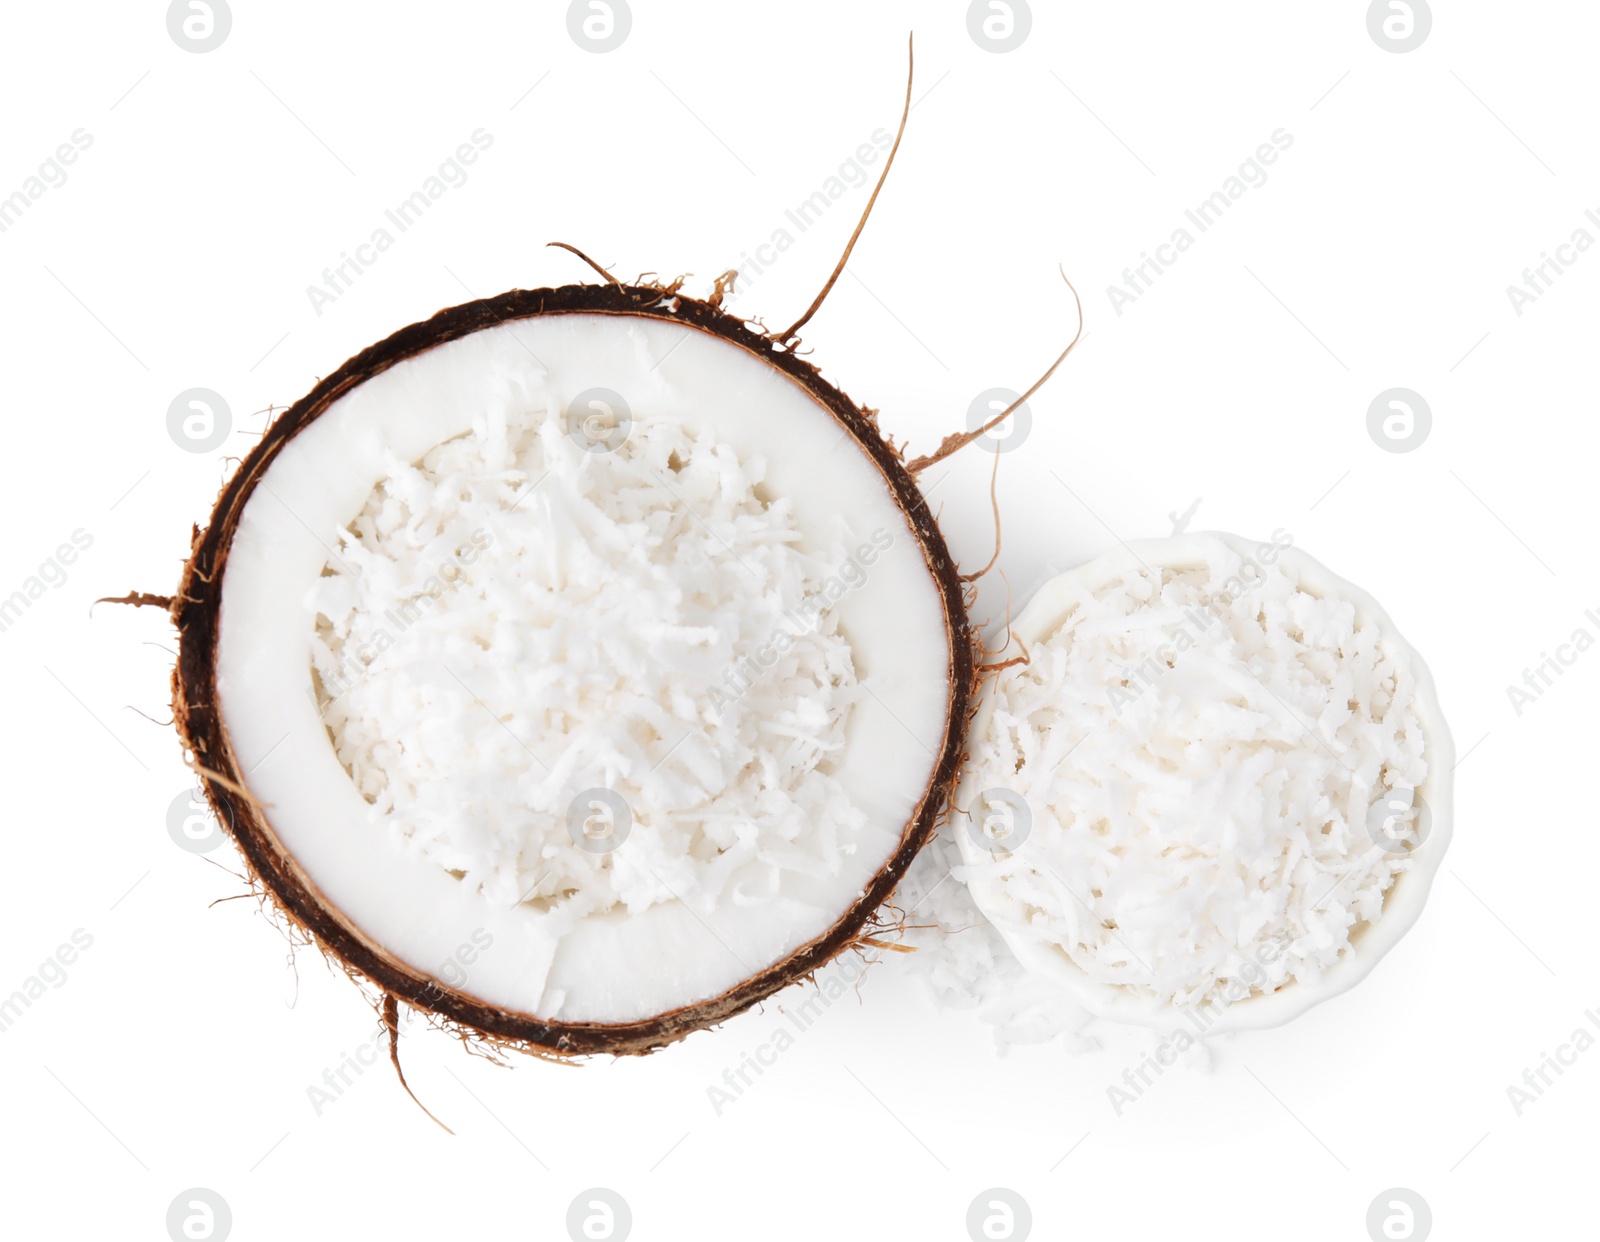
(516, 621)
(968, 965)
(1200, 768)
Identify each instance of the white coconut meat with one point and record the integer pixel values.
(643, 706)
(1213, 782)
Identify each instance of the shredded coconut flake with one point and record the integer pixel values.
(517, 620)
(966, 963)
(1200, 760)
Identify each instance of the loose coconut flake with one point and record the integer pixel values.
(1200, 750)
(598, 600)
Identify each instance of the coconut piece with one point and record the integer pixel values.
(767, 832)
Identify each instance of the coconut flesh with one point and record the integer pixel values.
(655, 696)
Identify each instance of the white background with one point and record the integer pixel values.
(179, 1051)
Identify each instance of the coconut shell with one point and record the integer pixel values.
(196, 609)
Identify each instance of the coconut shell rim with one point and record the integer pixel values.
(196, 612)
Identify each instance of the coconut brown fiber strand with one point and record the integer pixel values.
(196, 610)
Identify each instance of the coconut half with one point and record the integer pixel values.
(591, 632)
